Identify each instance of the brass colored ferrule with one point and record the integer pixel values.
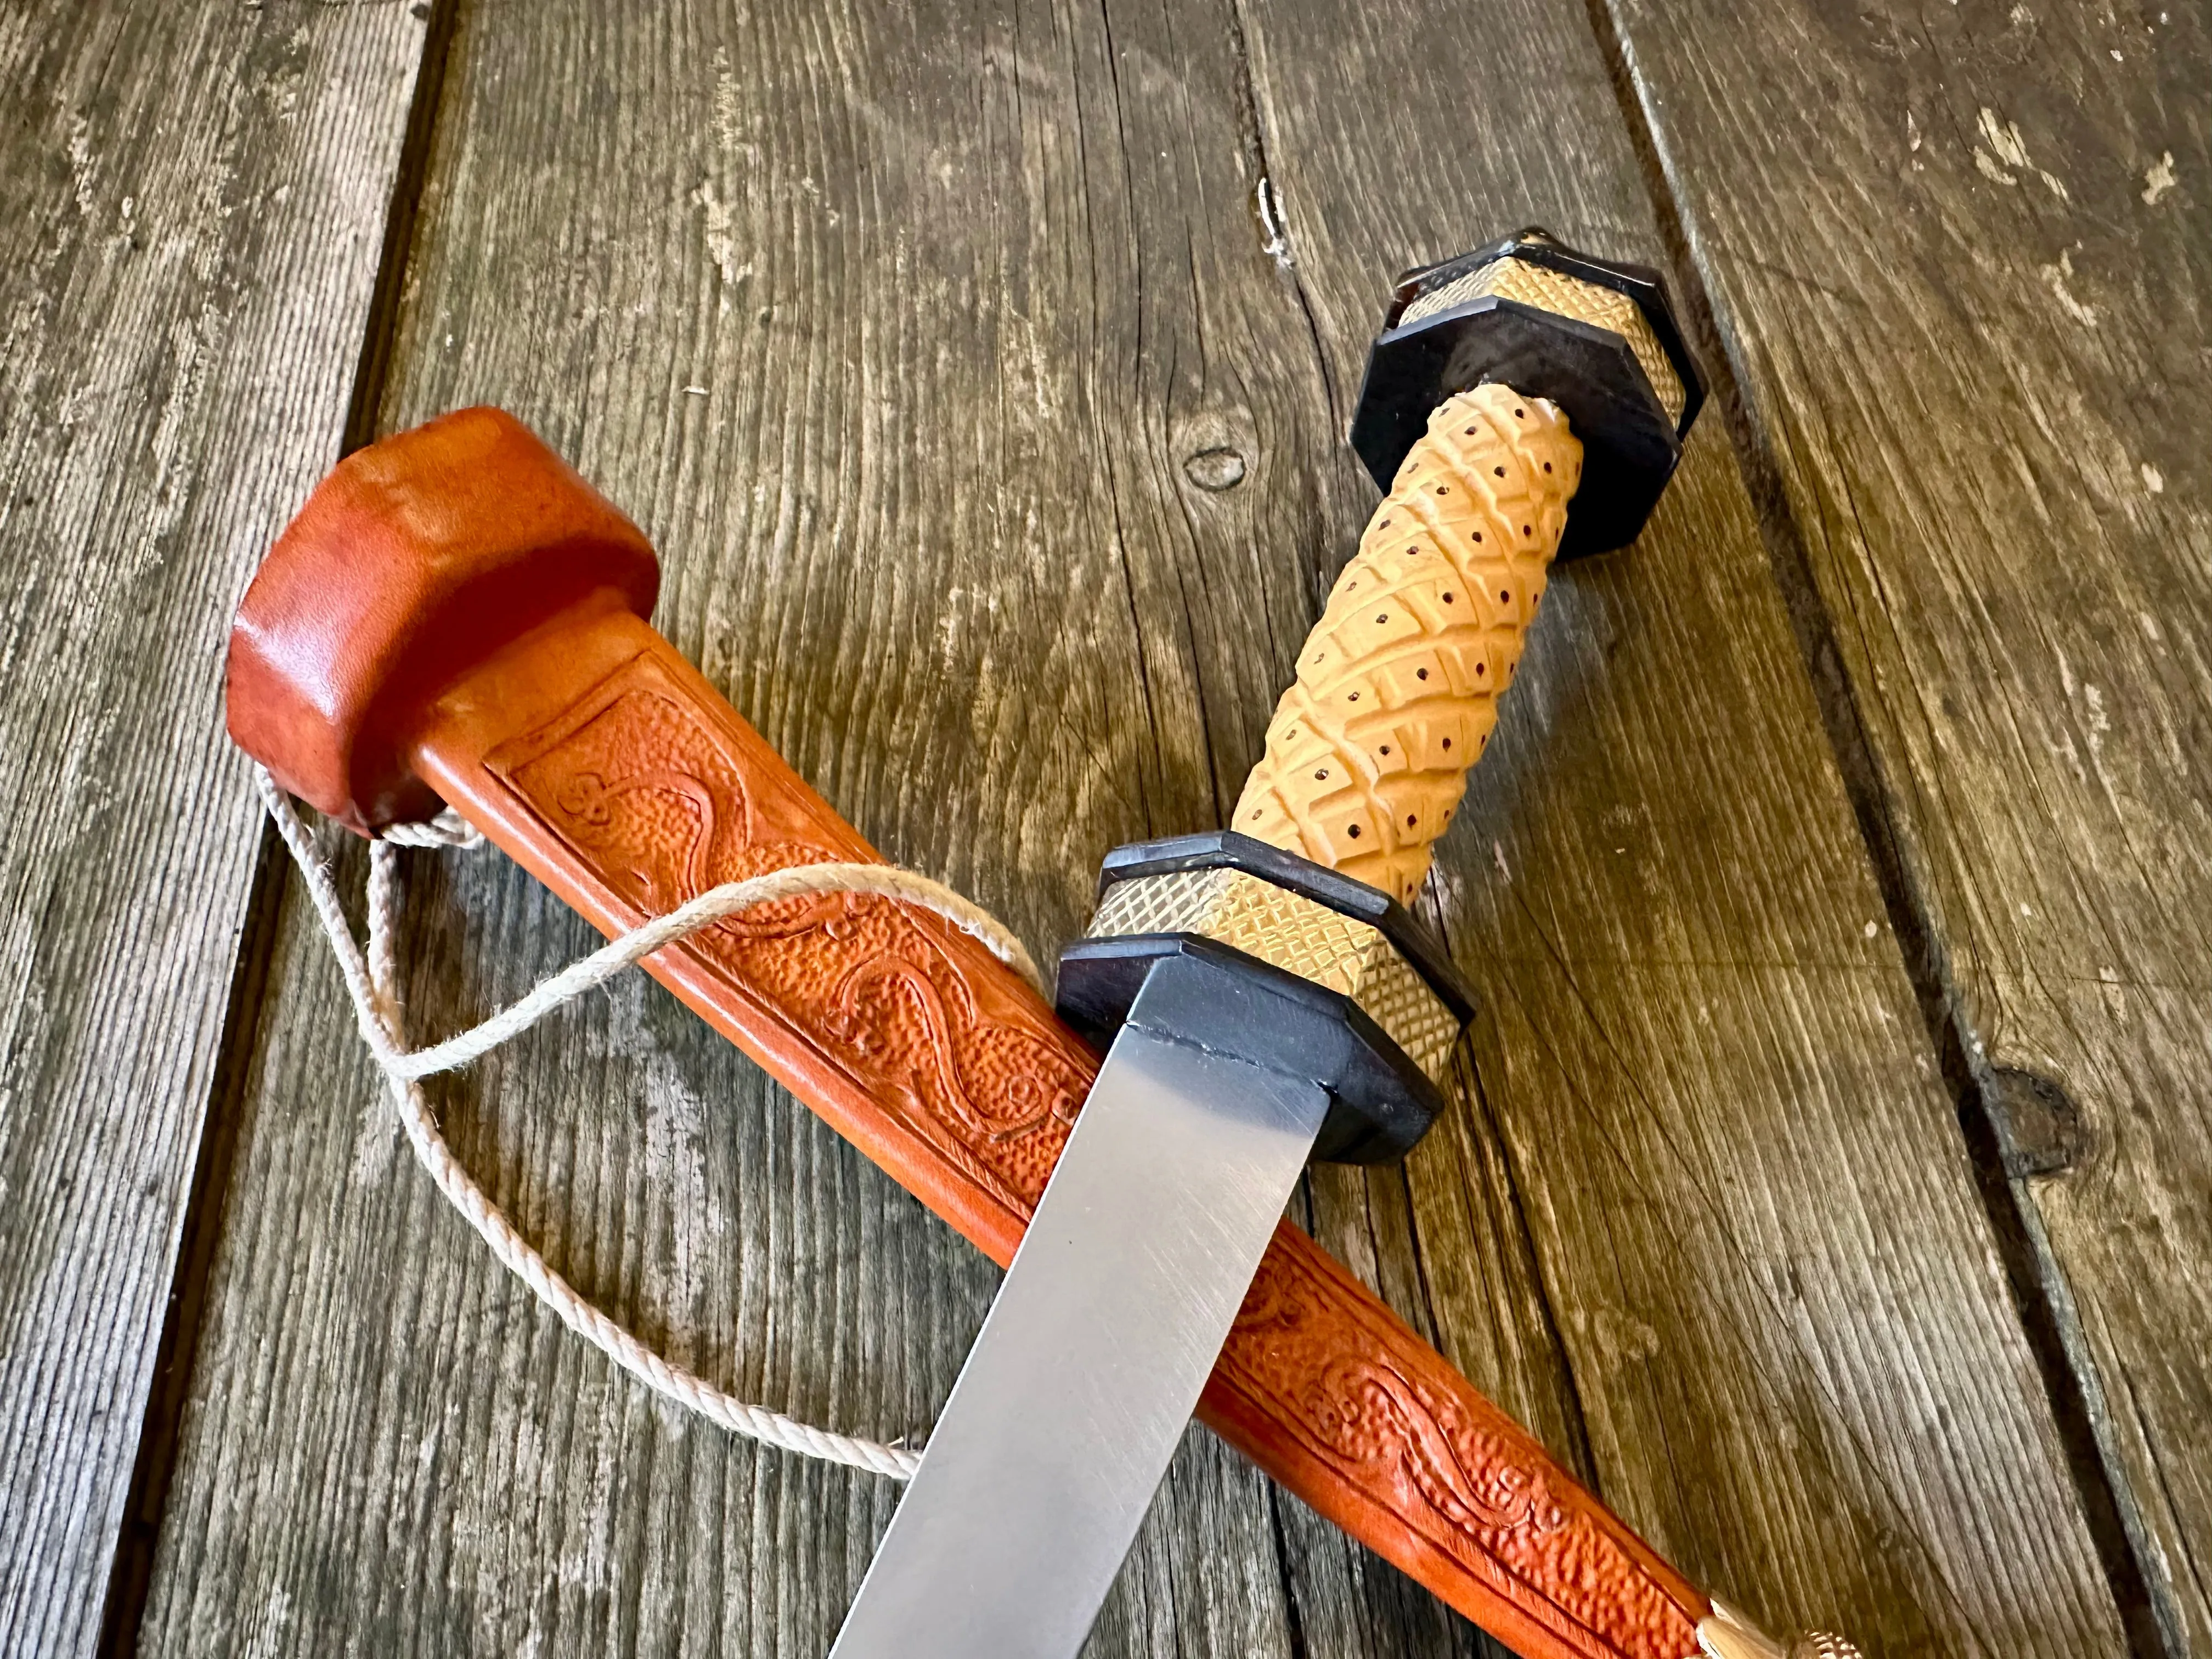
(1528, 283)
(1293, 933)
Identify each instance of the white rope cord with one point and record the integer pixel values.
(371, 984)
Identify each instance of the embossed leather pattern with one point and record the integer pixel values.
(639, 785)
(644, 788)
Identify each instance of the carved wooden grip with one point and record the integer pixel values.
(1398, 683)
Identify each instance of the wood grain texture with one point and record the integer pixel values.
(979, 319)
(1012, 476)
(1796, 1363)
(1961, 258)
(195, 202)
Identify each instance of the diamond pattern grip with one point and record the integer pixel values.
(1398, 683)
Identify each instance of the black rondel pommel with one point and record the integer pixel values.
(1595, 337)
(1281, 962)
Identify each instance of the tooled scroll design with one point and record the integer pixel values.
(659, 798)
(662, 803)
(1447, 1464)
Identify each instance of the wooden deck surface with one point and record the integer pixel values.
(1830, 1180)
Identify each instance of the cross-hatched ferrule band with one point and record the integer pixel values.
(1289, 930)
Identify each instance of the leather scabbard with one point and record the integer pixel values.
(601, 761)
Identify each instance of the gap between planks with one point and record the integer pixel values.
(131, 1575)
(2052, 1329)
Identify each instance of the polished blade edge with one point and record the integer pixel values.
(1091, 1359)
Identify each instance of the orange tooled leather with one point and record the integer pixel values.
(598, 758)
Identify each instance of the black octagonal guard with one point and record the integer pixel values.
(1630, 443)
(1380, 1102)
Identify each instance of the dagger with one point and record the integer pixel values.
(455, 617)
(1267, 998)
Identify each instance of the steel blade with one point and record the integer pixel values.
(1091, 1359)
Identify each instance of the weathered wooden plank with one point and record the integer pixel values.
(1796, 1359)
(973, 301)
(196, 202)
(980, 325)
(1961, 256)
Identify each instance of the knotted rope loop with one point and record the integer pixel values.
(371, 985)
